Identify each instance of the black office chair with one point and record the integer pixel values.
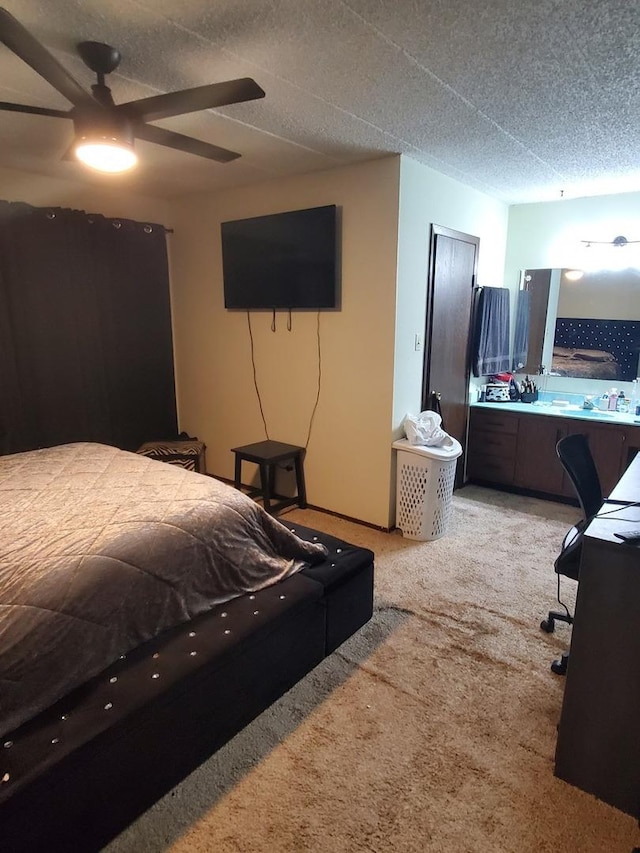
(575, 456)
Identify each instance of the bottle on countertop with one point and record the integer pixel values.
(613, 399)
(623, 403)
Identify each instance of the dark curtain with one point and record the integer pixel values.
(491, 336)
(85, 330)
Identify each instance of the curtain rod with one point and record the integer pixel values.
(51, 214)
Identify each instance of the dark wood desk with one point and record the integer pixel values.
(598, 747)
(627, 490)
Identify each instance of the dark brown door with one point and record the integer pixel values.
(452, 275)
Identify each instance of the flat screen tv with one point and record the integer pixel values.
(282, 261)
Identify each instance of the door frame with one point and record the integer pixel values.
(440, 230)
(435, 232)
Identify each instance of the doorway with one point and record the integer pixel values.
(453, 261)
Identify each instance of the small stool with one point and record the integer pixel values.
(267, 455)
(188, 454)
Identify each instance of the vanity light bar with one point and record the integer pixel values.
(617, 241)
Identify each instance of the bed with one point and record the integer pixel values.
(147, 613)
(582, 363)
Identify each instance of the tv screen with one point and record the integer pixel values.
(281, 261)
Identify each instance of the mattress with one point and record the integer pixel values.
(101, 550)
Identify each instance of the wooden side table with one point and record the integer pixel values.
(268, 455)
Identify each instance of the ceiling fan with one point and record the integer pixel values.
(105, 131)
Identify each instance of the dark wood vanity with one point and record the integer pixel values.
(517, 450)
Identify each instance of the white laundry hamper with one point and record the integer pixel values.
(424, 488)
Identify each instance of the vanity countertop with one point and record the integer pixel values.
(570, 411)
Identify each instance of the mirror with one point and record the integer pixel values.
(585, 327)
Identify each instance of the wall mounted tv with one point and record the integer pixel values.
(282, 261)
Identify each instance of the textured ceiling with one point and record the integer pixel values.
(522, 100)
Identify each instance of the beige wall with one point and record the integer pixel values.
(428, 197)
(601, 295)
(371, 375)
(347, 465)
(109, 200)
(550, 234)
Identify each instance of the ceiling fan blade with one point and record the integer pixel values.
(192, 100)
(39, 111)
(29, 49)
(169, 139)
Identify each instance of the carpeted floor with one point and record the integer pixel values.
(433, 729)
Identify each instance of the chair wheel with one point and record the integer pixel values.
(548, 625)
(559, 666)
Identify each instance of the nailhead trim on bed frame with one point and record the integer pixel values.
(131, 734)
(153, 668)
(57, 731)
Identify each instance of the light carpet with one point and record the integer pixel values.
(432, 729)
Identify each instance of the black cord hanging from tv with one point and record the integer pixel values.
(255, 378)
(313, 413)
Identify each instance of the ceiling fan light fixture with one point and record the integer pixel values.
(106, 154)
(104, 130)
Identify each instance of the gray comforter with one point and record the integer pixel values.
(101, 549)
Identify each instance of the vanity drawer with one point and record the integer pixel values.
(484, 442)
(492, 452)
(495, 469)
(499, 422)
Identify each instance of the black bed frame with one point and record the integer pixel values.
(82, 771)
